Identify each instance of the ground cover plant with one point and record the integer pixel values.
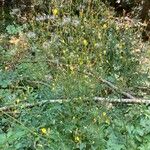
(54, 65)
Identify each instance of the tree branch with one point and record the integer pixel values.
(101, 99)
(117, 100)
(29, 105)
(112, 86)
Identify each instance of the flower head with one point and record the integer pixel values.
(104, 26)
(77, 139)
(17, 101)
(85, 42)
(55, 11)
(43, 130)
(107, 121)
(104, 114)
(6, 67)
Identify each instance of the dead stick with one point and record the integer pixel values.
(109, 100)
(116, 100)
(117, 89)
(112, 86)
(29, 105)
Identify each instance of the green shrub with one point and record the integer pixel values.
(54, 59)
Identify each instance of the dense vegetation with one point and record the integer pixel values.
(53, 66)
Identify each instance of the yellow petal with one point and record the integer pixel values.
(43, 130)
(104, 113)
(77, 139)
(104, 26)
(85, 42)
(17, 101)
(107, 121)
(55, 12)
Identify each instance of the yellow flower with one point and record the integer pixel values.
(107, 121)
(94, 120)
(15, 111)
(119, 46)
(126, 26)
(71, 68)
(25, 98)
(6, 68)
(85, 42)
(55, 11)
(104, 114)
(17, 101)
(77, 139)
(104, 26)
(43, 130)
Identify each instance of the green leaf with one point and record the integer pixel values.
(3, 139)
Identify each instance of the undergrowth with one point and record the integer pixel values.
(53, 57)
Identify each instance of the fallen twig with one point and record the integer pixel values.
(117, 89)
(108, 100)
(29, 105)
(116, 100)
(113, 86)
(144, 88)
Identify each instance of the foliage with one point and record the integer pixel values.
(52, 57)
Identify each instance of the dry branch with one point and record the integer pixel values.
(112, 86)
(115, 100)
(117, 89)
(29, 105)
(108, 100)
